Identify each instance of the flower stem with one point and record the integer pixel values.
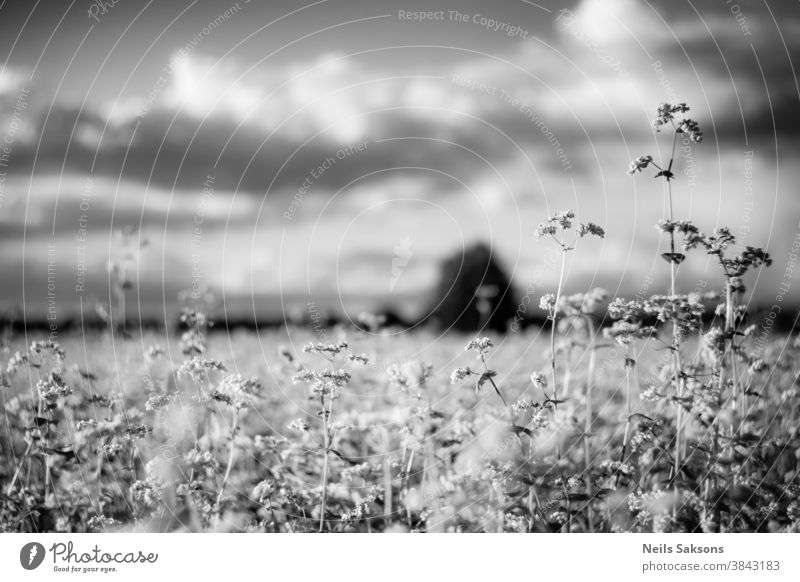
(587, 447)
(326, 446)
(553, 327)
(231, 454)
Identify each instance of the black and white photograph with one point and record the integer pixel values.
(389, 267)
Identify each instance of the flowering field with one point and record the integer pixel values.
(140, 437)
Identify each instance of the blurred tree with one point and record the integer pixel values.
(473, 292)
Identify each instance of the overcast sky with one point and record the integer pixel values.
(286, 152)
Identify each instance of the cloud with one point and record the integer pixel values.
(479, 139)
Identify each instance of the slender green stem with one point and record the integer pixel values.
(628, 408)
(587, 447)
(326, 447)
(231, 454)
(492, 382)
(553, 326)
(675, 348)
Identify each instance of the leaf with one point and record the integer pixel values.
(747, 439)
(485, 377)
(665, 173)
(66, 453)
(345, 459)
(676, 258)
(554, 402)
(517, 429)
(640, 415)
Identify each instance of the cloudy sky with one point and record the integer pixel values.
(335, 151)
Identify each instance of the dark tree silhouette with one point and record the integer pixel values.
(473, 292)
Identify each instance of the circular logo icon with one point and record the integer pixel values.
(31, 555)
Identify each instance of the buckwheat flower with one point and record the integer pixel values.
(202, 460)
(359, 359)
(574, 482)
(612, 467)
(522, 405)
(193, 318)
(690, 127)
(51, 389)
(304, 376)
(547, 302)
(411, 374)
(590, 228)
(480, 345)
(756, 366)
(332, 349)
(559, 517)
(639, 164)
(594, 301)
(299, 425)
(238, 390)
(619, 332)
(666, 226)
(112, 449)
(337, 377)
(564, 219)
(459, 374)
(663, 115)
(713, 346)
(154, 352)
(685, 227)
(198, 369)
(630, 311)
(15, 362)
(545, 229)
(651, 393)
(193, 341)
(158, 402)
(397, 376)
(571, 304)
(539, 380)
(263, 490)
(86, 424)
(361, 470)
(751, 329)
(719, 240)
(666, 113)
(147, 492)
(139, 431)
(751, 257)
(48, 346)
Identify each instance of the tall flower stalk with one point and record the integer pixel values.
(685, 126)
(580, 311)
(326, 387)
(556, 228)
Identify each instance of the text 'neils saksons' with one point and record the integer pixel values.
(681, 549)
